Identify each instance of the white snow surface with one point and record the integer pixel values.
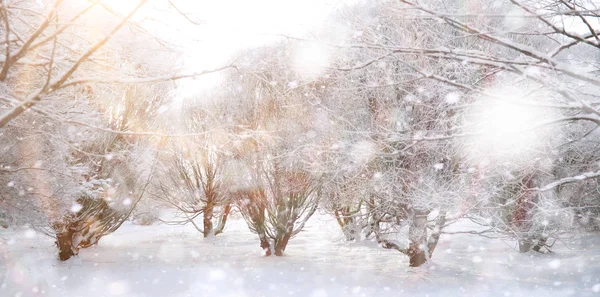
(175, 261)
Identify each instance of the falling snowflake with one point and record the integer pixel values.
(554, 264)
(292, 84)
(76, 207)
(118, 288)
(217, 275)
(452, 98)
(30, 233)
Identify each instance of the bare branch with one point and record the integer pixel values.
(10, 60)
(568, 180)
(36, 97)
(144, 80)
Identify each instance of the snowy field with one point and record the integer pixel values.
(176, 261)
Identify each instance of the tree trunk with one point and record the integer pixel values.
(416, 255)
(524, 245)
(207, 221)
(523, 214)
(347, 223)
(282, 243)
(539, 244)
(349, 231)
(223, 219)
(264, 244)
(64, 242)
(417, 235)
(437, 231)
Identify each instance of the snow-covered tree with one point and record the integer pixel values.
(272, 148)
(79, 94)
(194, 183)
(528, 81)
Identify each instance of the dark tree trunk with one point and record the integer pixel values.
(524, 245)
(522, 216)
(531, 243)
(64, 242)
(85, 228)
(416, 255)
(539, 244)
(282, 243)
(417, 235)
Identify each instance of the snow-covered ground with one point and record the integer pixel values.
(176, 261)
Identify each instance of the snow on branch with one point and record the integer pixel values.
(36, 96)
(523, 49)
(568, 180)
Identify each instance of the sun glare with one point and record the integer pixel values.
(505, 129)
(311, 60)
(123, 7)
(226, 32)
(211, 33)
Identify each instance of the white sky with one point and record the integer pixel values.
(228, 26)
(243, 23)
(231, 25)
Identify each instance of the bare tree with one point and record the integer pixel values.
(278, 203)
(271, 148)
(194, 185)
